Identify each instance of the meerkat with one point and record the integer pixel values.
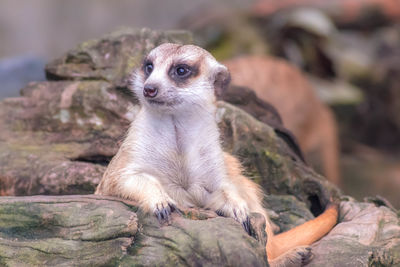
(172, 156)
(281, 84)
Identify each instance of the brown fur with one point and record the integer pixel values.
(302, 112)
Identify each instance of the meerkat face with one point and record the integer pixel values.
(174, 77)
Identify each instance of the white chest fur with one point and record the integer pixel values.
(182, 152)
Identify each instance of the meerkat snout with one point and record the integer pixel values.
(150, 90)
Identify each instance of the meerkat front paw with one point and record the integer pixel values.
(163, 211)
(151, 196)
(162, 206)
(238, 210)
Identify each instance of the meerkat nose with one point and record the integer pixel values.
(150, 90)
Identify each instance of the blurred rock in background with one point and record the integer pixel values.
(303, 113)
(351, 13)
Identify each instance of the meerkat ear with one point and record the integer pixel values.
(221, 80)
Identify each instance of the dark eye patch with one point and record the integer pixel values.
(181, 72)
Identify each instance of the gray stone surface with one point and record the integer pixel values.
(99, 231)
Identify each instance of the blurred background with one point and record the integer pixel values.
(343, 106)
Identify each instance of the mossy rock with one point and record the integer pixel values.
(113, 57)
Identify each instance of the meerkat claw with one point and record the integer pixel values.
(245, 223)
(163, 213)
(173, 208)
(247, 226)
(220, 213)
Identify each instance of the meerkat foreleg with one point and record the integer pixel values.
(143, 188)
(150, 194)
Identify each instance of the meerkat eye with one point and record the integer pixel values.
(148, 68)
(182, 71)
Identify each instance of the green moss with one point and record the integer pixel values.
(25, 147)
(101, 114)
(223, 50)
(253, 175)
(16, 221)
(3, 260)
(133, 62)
(39, 150)
(63, 148)
(275, 158)
(88, 44)
(18, 125)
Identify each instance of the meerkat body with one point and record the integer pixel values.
(172, 156)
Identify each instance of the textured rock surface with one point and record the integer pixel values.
(366, 236)
(58, 137)
(95, 231)
(112, 57)
(267, 159)
(361, 13)
(64, 231)
(55, 132)
(87, 230)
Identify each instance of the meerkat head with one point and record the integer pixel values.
(176, 77)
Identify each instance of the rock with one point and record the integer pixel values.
(286, 211)
(112, 57)
(225, 33)
(375, 68)
(92, 231)
(285, 87)
(268, 159)
(371, 172)
(337, 92)
(366, 236)
(354, 13)
(65, 231)
(85, 108)
(353, 55)
(303, 36)
(247, 100)
(87, 230)
(214, 242)
(58, 136)
(64, 131)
